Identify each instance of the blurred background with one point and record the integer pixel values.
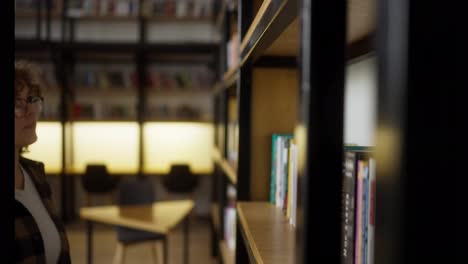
(128, 87)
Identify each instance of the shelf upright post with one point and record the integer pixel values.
(322, 64)
(419, 114)
(244, 97)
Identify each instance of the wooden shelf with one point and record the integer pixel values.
(230, 171)
(275, 29)
(227, 255)
(271, 20)
(215, 217)
(266, 232)
(230, 76)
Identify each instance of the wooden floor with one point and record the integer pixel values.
(105, 244)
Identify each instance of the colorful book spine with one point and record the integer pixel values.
(290, 184)
(274, 138)
(365, 211)
(278, 171)
(358, 221)
(348, 203)
(282, 171)
(371, 226)
(293, 193)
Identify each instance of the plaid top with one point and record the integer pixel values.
(29, 246)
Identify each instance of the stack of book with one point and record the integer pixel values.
(283, 183)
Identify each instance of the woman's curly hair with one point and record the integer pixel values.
(27, 76)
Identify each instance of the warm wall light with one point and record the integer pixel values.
(112, 143)
(48, 147)
(170, 142)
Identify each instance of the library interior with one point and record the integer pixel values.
(230, 131)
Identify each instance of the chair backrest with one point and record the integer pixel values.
(180, 179)
(135, 192)
(96, 179)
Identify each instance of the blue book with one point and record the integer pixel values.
(365, 213)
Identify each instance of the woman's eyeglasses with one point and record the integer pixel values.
(33, 103)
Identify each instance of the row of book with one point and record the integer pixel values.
(283, 182)
(151, 8)
(78, 8)
(179, 8)
(94, 111)
(116, 111)
(164, 79)
(29, 6)
(358, 219)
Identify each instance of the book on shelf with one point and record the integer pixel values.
(358, 202)
(292, 183)
(83, 111)
(185, 111)
(230, 217)
(278, 162)
(349, 179)
(117, 111)
(159, 111)
(181, 78)
(116, 79)
(178, 8)
(232, 142)
(29, 6)
(103, 8)
(284, 174)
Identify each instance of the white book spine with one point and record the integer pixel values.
(279, 178)
(293, 196)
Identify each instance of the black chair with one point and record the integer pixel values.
(97, 181)
(137, 192)
(180, 180)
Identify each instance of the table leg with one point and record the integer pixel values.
(186, 240)
(165, 247)
(89, 234)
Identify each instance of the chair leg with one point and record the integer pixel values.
(119, 257)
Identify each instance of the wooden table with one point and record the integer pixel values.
(160, 217)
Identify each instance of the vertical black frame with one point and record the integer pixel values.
(419, 116)
(323, 42)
